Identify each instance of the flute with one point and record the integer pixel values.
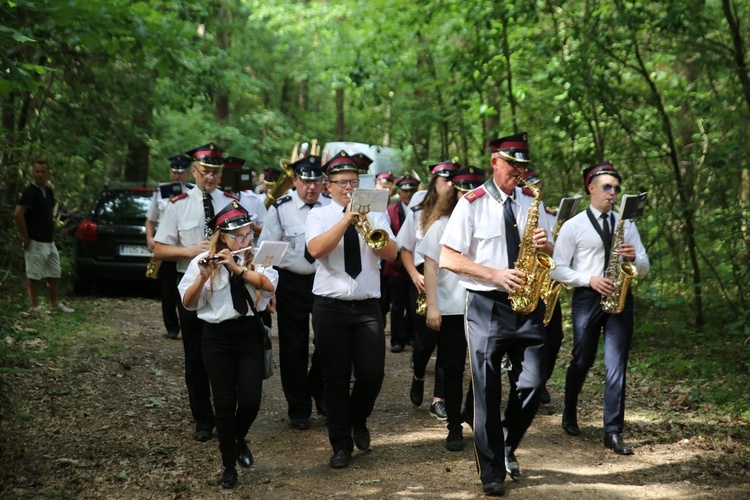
(206, 260)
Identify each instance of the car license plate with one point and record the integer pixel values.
(134, 251)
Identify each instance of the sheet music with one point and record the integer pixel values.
(169, 189)
(568, 207)
(270, 253)
(632, 205)
(369, 200)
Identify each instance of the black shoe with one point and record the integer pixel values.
(511, 466)
(544, 398)
(493, 489)
(228, 478)
(614, 442)
(416, 393)
(173, 335)
(340, 459)
(437, 409)
(455, 440)
(361, 437)
(300, 424)
(202, 435)
(244, 455)
(397, 348)
(570, 423)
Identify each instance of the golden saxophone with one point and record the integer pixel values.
(550, 288)
(152, 268)
(422, 304)
(620, 271)
(535, 264)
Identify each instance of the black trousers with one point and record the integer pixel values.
(233, 355)
(401, 325)
(453, 343)
(495, 330)
(196, 378)
(588, 322)
(169, 295)
(554, 330)
(425, 342)
(349, 335)
(294, 303)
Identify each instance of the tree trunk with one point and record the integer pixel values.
(340, 129)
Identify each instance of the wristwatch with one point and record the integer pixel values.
(242, 272)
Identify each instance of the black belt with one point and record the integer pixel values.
(496, 295)
(329, 300)
(287, 272)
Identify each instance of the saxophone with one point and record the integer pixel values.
(550, 288)
(535, 264)
(621, 272)
(152, 268)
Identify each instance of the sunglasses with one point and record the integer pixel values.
(610, 187)
(240, 237)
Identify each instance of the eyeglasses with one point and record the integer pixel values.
(609, 187)
(214, 173)
(342, 184)
(307, 182)
(240, 237)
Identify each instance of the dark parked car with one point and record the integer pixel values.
(111, 242)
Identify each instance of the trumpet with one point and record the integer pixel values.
(374, 237)
(212, 258)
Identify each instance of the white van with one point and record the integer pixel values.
(383, 158)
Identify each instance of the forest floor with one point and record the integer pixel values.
(110, 420)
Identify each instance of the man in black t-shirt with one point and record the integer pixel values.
(36, 224)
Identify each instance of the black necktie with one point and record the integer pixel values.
(309, 258)
(512, 239)
(240, 295)
(607, 237)
(352, 259)
(208, 209)
(401, 215)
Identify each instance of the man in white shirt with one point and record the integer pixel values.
(582, 252)
(346, 317)
(294, 298)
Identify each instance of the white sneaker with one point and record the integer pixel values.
(65, 308)
(39, 309)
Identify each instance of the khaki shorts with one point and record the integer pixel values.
(42, 261)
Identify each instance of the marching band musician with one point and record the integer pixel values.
(445, 303)
(395, 276)
(483, 251)
(409, 237)
(346, 317)
(181, 236)
(581, 254)
(226, 292)
(168, 270)
(294, 296)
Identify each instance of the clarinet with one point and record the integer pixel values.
(208, 210)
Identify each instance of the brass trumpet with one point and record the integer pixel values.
(374, 237)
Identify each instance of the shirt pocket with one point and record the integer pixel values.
(489, 242)
(190, 233)
(295, 235)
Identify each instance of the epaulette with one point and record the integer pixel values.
(282, 200)
(551, 211)
(231, 195)
(189, 185)
(475, 194)
(178, 197)
(417, 208)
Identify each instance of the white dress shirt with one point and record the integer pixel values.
(410, 234)
(253, 203)
(451, 295)
(286, 222)
(331, 279)
(215, 302)
(159, 204)
(184, 221)
(579, 250)
(477, 230)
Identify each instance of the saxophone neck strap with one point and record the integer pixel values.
(490, 187)
(598, 229)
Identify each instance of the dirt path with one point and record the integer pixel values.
(112, 422)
